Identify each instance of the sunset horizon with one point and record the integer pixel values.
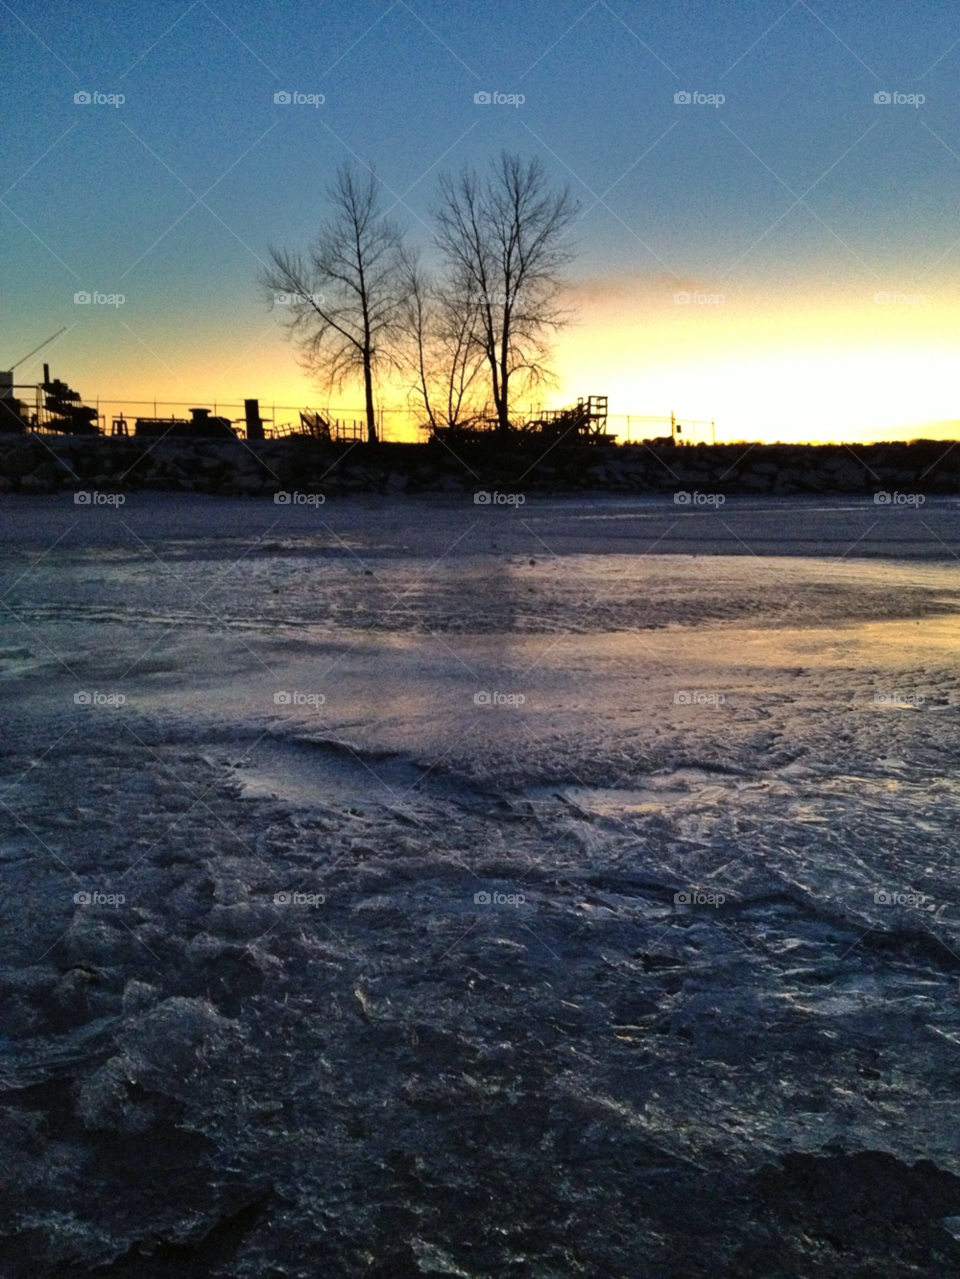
(479, 633)
(814, 233)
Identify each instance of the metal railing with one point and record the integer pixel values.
(631, 428)
(394, 425)
(118, 417)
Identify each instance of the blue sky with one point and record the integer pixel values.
(797, 199)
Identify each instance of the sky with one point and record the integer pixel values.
(783, 262)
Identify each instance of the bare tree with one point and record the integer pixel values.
(344, 295)
(502, 238)
(443, 352)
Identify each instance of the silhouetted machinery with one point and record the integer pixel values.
(11, 409)
(320, 428)
(582, 423)
(202, 426)
(56, 407)
(14, 413)
(65, 412)
(315, 425)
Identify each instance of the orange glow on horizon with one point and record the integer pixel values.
(792, 365)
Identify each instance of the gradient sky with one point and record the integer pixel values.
(797, 200)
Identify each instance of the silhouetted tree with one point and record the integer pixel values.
(345, 294)
(443, 352)
(502, 240)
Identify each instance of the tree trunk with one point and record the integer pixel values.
(503, 403)
(371, 413)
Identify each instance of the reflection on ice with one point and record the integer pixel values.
(738, 942)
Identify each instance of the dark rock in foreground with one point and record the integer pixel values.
(43, 464)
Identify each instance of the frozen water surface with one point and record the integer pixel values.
(703, 766)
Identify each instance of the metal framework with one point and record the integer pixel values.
(340, 432)
(57, 408)
(583, 423)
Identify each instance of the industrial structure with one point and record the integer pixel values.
(53, 407)
(200, 427)
(316, 427)
(582, 423)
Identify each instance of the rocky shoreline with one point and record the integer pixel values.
(35, 464)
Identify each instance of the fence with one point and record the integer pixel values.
(630, 428)
(394, 425)
(118, 417)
